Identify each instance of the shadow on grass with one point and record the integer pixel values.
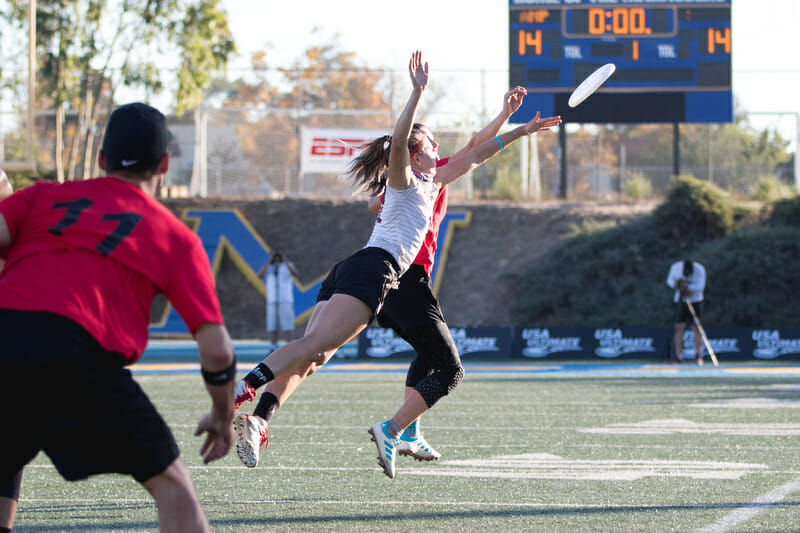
(76, 514)
(83, 517)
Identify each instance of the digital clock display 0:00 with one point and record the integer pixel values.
(620, 22)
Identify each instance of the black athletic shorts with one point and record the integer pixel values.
(412, 304)
(367, 275)
(683, 315)
(63, 393)
(10, 488)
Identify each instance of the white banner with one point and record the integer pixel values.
(330, 150)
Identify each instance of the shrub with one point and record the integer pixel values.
(609, 276)
(786, 211)
(695, 211)
(637, 187)
(752, 279)
(770, 188)
(587, 226)
(616, 275)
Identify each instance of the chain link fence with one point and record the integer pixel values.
(231, 152)
(260, 151)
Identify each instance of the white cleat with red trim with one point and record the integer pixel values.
(251, 436)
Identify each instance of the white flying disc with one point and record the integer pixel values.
(591, 84)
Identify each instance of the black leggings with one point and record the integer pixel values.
(413, 312)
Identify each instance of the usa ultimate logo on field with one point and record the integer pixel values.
(728, 346)
(539, 342)
(770, 343)
(380, 342)
(474, 342)
(614, 343)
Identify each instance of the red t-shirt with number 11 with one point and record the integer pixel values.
(97, 252)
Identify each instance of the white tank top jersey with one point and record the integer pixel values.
(404, 220)
(278, 281)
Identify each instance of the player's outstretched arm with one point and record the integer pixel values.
(400, 176)
(488, 149)
(216, 359)
(512, 100)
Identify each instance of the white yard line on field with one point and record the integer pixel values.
(743, 514)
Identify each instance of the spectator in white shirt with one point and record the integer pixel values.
(688, 279)
(277, 275)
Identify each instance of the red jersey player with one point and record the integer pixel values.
(84, 261)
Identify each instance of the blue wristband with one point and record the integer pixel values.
(499, 142)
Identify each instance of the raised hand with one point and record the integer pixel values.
(541, 124)
(513, 99)
(418, 71)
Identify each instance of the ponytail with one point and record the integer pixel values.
(369, 168)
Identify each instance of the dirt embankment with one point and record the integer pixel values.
(500, 239)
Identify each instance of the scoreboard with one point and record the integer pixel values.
(673, 59)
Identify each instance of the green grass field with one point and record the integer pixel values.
(545, 452)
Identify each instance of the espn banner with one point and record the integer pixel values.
(330, 150)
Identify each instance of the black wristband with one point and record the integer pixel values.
(220, 377)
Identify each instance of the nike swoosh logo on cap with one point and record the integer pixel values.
(128, 162)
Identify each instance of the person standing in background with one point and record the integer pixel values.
(688, 279)
(277, 274)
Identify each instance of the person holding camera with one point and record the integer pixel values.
(688, 279)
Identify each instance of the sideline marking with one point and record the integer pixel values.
(387, 503)
(549, 466)
(747, 512)
(517, 368)
(670, 426)
(784, 386)
(750, 403)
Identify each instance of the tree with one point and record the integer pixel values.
(730, 155)
(326, 87)
(88, 49)
(205, 44)
(324, 77)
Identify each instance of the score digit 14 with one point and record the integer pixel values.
(527, 39)
(716, 37)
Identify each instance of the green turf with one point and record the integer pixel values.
(536, 453)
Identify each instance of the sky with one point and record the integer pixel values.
(473, 36)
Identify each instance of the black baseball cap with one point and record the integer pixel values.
(136, 138)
